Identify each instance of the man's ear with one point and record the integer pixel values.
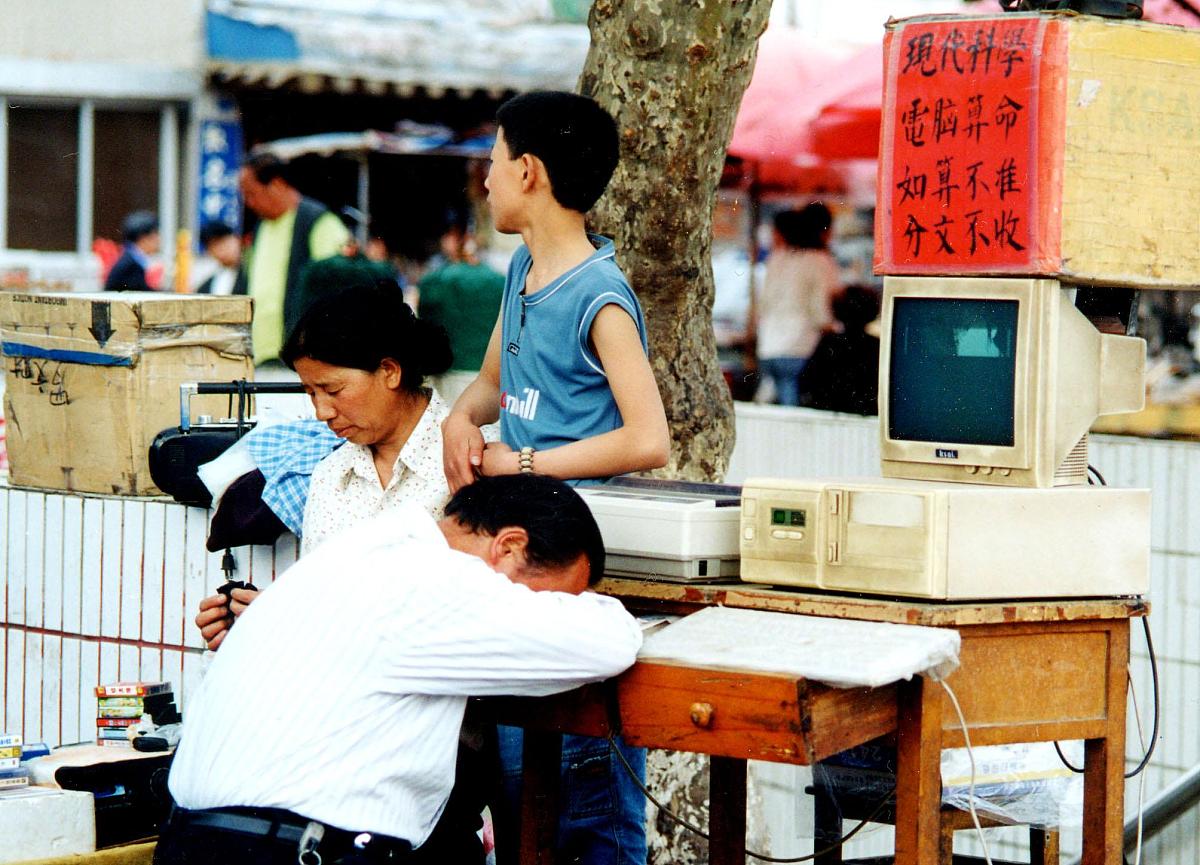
(506, 552)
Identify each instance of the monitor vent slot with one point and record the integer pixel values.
(1073, 469)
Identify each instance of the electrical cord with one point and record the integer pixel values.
(1092, 470)
(971, 757)
(762, 857)
(1148, 751)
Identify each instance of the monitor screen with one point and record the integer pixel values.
(953, 371)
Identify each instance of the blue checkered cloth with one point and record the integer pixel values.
(286, 454)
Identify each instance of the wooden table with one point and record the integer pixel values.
(1029, 672)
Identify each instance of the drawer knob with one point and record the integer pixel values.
(702, 714)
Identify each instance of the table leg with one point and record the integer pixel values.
(918, 772)
(1104, 765)
(542, 762)
(727, 811)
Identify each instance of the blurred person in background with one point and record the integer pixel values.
(222, 244)
(843, 372)
(349, 268)
(463, 296)
(293, 230)
(140, 234)
(793, 301)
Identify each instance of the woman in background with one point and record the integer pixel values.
(793, 304)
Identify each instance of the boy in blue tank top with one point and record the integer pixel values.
(567, 375)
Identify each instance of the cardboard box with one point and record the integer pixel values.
(91, 379)
(1040, 145)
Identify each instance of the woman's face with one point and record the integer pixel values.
(357, 405)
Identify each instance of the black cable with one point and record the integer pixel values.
(696, 830)
(1092, 470)
(1141, 766)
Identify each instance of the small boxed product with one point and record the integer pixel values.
(1042, 145)
(90, 379)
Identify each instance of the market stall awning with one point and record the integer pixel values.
(393, 47)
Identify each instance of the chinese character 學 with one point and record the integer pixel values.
(1012, 46)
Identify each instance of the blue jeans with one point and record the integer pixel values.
(784, 372)
(603, 819)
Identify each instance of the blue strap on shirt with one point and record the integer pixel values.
(287, 454)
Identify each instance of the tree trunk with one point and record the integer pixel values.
(673, 72)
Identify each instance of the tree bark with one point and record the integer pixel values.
(673, 72)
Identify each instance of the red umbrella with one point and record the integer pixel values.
(791, 78)
(847, 124)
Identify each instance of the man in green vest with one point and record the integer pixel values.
(293, 230)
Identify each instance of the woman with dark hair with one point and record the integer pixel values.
(792, 306)
(362, 356)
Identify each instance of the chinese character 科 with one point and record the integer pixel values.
(1006, 178)
(982, 48)
(1012, 46)
(1007, 114)
(1005, 230)
(919, 53)
(912, 186)
(942, 228)
(913, 121)
(945, 187)
(974, 237)
(975, 122)
(945, 118)
(950, 46)
(973, 181)
(912, 233)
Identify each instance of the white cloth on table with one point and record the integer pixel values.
(340, 692)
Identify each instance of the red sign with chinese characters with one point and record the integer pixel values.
(959, 173)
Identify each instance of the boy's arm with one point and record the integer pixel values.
(643, 440)
(479, 404)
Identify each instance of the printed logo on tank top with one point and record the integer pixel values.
(523, 408)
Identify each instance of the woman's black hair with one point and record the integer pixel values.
(360, 326)
(804, 229)
(558, 522)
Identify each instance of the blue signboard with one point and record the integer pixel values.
(220, 160)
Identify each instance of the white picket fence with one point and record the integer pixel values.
(97, 589)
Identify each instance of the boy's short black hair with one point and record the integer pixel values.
(574, 137)
(558, 522)
(214, 230)
(137, 225)
(804, 229)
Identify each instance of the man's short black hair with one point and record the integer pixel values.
(574, 137)
(267, 166)
(559, 523)
(137, 225)
(214, 230)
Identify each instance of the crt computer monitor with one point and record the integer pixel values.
(996, 381)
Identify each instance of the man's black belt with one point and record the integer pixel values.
(289, 828)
